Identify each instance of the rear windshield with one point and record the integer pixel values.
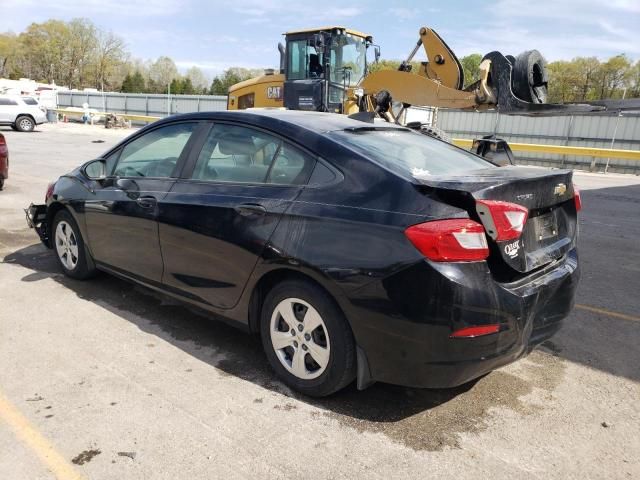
(408, 153)
(30, 101)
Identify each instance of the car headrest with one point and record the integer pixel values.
(236, 143)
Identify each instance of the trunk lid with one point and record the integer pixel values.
(551, 227)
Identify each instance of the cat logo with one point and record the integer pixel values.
(274, 93)
(560, 189)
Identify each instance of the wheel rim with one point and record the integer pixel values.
(300, 338)
(25, 124)
(66, 245)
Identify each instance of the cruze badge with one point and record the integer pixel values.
(512, 249)
(560, 189)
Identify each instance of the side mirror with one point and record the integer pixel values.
(95, 169)
(376, 51)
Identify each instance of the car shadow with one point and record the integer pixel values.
(223, 346)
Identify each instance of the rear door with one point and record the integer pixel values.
(8, 110)
(121, 216)
(217, 220)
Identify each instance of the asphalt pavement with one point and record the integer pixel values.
(107, 380)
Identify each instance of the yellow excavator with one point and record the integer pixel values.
(328, 69)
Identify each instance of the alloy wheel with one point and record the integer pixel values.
(66, 245)
(26, 124)
(299, 338)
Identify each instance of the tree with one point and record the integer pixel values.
(163, 71)
(197, 78)
(133, 83)
(187, 86)
(231, 76)
(110, 54)
(9, 52)
(634, 81)
(44, 47)
(471, 68)
(78, 50)
(612, 77)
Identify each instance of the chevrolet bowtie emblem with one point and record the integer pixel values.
(560, 189)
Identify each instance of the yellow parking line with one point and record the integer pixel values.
(603, 311)
(36, 442)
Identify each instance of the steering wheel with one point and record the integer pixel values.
(161, 168)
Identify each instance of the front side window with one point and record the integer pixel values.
(7, 101)
(154, 154)
(407, 153)
(243, 155)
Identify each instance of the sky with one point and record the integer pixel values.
(215, 35)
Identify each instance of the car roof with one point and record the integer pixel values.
(317, 122)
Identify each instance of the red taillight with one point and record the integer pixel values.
(503, 220)
(452, 240)
(49, 193)
(2, 140)
(476, 331)
(577, 198)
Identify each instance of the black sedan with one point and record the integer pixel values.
(356, 250)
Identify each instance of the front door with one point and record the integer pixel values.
(216, 223)
(122, 216)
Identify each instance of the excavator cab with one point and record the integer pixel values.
(321, 65)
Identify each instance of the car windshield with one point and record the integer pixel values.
(407, 153)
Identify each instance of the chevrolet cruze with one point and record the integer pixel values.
(357, 251)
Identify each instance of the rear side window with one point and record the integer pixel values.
(238, 154)
(7, 101)
(407, 153)
(30, 101)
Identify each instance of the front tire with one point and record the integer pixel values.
(25, 124)
(306, 338)
(70, 248)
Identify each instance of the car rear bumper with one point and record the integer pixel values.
(36, 216)
(404, 322)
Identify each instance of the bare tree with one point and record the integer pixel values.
(110, 55)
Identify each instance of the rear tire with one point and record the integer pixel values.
(25, 124)
(1, 183)
(306, 338)
(69, 247)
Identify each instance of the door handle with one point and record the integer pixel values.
(146, 202)
(247, 209)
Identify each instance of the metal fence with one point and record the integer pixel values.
(603, 131)
(143, 104)
(610, 131)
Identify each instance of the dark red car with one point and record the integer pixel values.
(4, 161)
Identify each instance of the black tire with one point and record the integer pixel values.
(25, 124)
(1, 183)
(529, 77)
(83, 267)
(341, 367)
(14, 128)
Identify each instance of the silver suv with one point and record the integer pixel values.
(22, 113)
